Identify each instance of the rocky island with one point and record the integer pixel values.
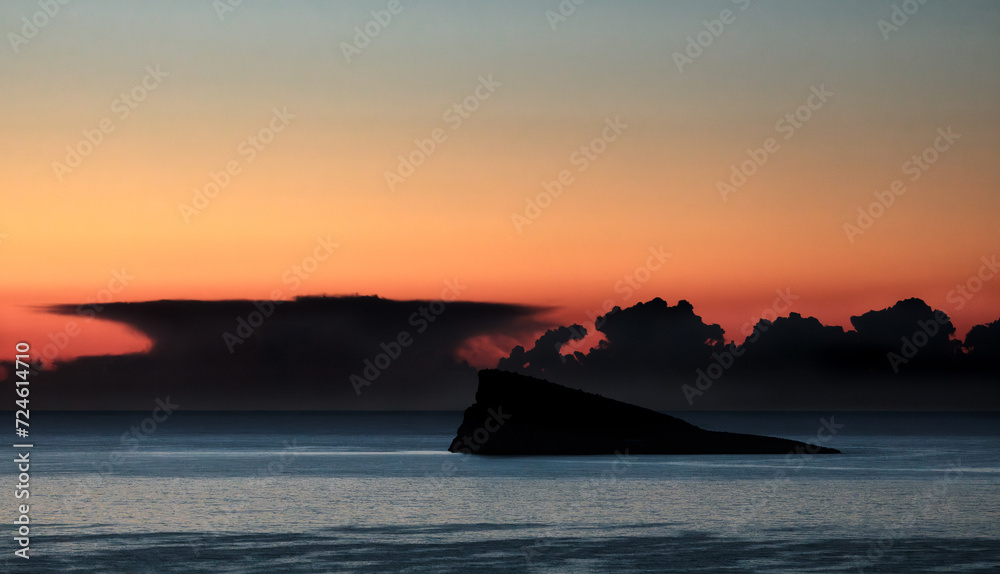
(520, 415)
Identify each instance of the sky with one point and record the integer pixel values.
(717, 152)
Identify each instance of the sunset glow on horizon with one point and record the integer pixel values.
(568, 165)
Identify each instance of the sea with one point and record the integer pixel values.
(148, 492)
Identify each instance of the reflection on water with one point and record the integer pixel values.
(377, 492)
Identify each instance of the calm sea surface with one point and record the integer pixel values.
(377, 492)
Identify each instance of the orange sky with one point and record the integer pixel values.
(323, 175)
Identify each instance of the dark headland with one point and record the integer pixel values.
(520, 415)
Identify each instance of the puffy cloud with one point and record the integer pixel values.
(665, 357)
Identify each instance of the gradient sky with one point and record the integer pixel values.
(323, 175)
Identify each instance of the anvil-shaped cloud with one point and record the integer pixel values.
(358, 352)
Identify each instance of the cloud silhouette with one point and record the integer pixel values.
(910, 321)
(373, 353)
(983, 342)
(649, 336)
(545, 355)
(297, 354)
(796, 342)
(666, 357)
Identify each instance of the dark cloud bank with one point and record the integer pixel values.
(903, 357)
(297, 354)
(373, 353)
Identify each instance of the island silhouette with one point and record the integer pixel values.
(372, 353)
(521, 415)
